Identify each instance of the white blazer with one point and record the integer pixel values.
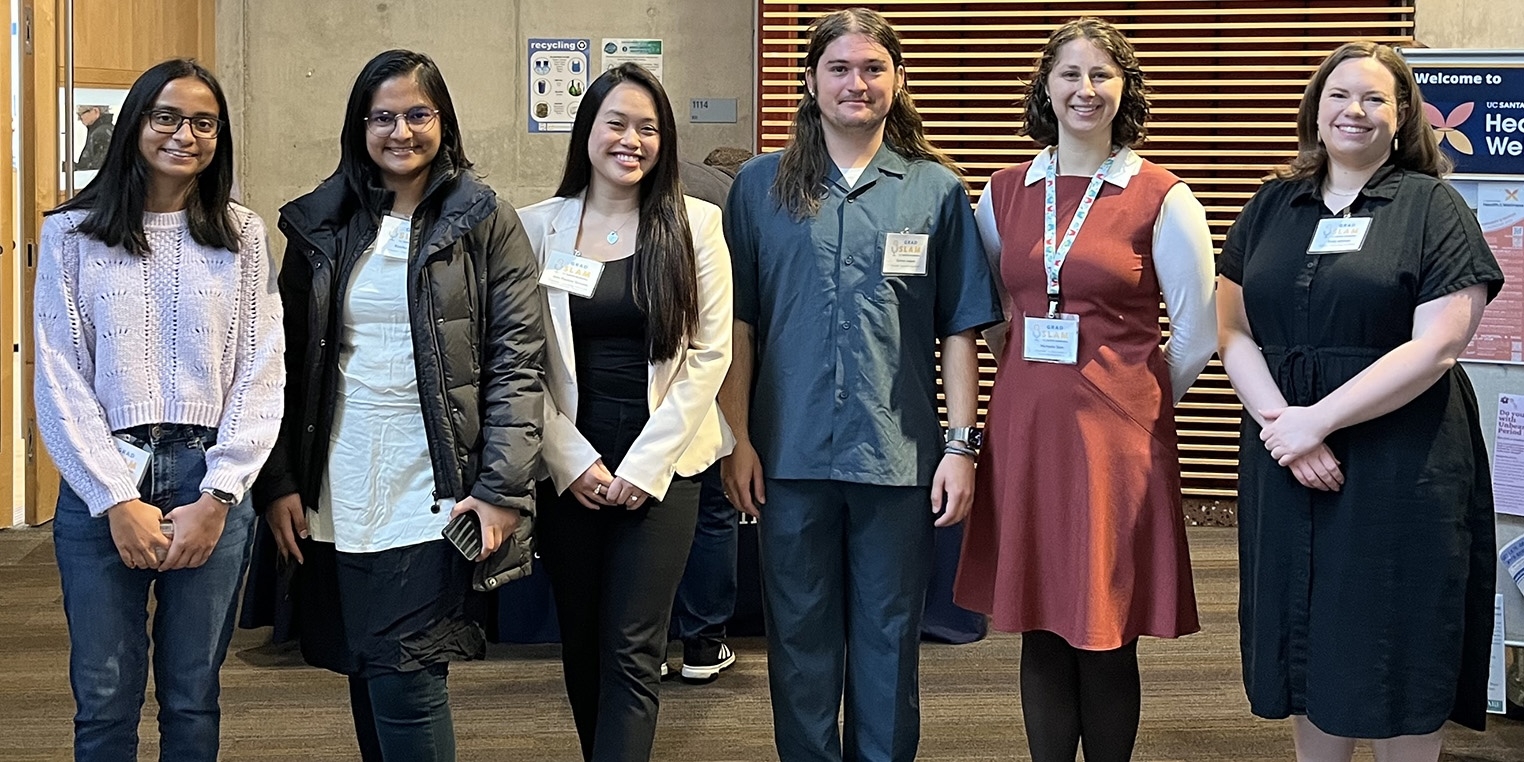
(686, 433)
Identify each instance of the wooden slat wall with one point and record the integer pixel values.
(1226, 79)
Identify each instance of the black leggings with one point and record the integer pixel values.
(1070, 695)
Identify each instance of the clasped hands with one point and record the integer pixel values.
(1294, 437)
(596, 489)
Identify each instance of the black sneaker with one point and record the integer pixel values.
(704, 661)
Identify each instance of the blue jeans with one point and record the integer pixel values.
(106, 604)
(706, 597)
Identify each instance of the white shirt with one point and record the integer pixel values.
(1182, 262)
(379, 486)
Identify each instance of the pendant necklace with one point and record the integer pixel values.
(613, 236)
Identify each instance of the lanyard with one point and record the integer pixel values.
(1053, 256)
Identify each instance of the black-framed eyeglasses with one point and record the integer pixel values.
(383, 122)
(168, 123)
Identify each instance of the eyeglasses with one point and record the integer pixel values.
(168, 123)
(383, 122)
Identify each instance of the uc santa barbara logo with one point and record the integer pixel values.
(1447, 127)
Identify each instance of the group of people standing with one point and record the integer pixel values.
(569, 368)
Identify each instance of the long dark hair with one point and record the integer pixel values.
(802, 170)
(1130, 126)
(116, 197)
(1417, 148)
(665, 277)
(359, 171)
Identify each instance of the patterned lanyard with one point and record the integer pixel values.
(1053, 256)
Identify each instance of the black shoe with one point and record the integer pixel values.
(703, 662)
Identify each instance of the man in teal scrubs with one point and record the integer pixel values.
(854, 252)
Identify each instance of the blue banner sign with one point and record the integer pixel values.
(1478, 112)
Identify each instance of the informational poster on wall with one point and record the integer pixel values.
(1477, 107)
(646, 53)
(1508, 456)
(1474, 100)
(558, 69)
(1500, 335)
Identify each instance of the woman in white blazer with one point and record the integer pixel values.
(636, 278)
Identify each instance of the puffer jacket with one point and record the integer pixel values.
(478, 343)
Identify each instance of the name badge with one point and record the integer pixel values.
(572, 273)
(1339, 235)
(137, 459)
(905, 253)
(1054, 339)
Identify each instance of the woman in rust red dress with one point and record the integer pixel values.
(1076, 538)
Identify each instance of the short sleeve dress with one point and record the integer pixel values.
(1076, 526)
(1368, 610)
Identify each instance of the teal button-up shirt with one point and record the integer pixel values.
(845, 378)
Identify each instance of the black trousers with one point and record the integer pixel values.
(614, 573)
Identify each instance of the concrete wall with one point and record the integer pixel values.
(288, 66)
(1476, 24)
(1484, 25)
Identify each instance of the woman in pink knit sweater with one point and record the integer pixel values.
(159, 394)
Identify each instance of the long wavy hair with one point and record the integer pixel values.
(664, 276)
(800, 184)
(1130, 126)
(1416, 148)
(355, 165)
(116, 197)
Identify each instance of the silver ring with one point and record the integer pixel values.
(597, 489)
(633, 498)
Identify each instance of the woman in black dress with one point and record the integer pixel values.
(1349, 287)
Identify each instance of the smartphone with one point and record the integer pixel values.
(465, 533)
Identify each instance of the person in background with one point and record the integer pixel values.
(158, 394)
(1348, 288)
(416, 338)
(855, 253)
(706, 596)
(1077, 538)
(99, 124)
(637, 280)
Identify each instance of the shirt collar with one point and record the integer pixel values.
(887, 163)
(1127, 165)
(1383, 184)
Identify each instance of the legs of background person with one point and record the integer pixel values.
(1072, 696)
(404, 716)
(706, 597)
(643, 558)
(889, 557)
(802, 544)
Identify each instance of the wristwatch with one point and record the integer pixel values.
(221, 496)
(969, 435)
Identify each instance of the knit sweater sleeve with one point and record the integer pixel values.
(70, 418)
(254, 398)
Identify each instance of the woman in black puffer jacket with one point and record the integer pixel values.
(415, 340)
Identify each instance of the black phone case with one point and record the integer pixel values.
(465, 533)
